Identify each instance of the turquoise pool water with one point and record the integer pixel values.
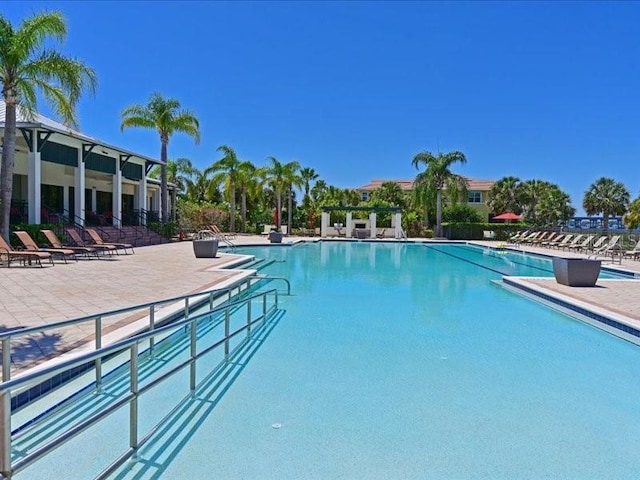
(403, 361)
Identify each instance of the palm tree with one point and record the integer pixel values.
(529, 194)
(503, 196)
(424, 195)
(276, 179)
(308, 175)
(250, 184)
(318, 190)
(437, 175)
(632, 217)
(292, 179)
(607, 196)
(166, 117)
(28, 64)
(199, 187)
(391, 193)
(227, 169)
(179, 172)
(554, 206)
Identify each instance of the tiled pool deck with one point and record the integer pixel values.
(35, 296)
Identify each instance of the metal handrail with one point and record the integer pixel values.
(6, 336)
(269, 277)
(8, 469)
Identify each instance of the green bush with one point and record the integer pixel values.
(167, 230)
(34, 232)
(475, 231)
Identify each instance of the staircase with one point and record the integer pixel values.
(138, 236)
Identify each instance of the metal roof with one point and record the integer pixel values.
(44, 123)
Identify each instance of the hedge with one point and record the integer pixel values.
(475, 231)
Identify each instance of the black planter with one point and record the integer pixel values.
(576, 272)
(205, 248)
(275, 237)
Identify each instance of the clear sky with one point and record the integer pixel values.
(354, 90)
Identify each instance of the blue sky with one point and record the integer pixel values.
(355, 89)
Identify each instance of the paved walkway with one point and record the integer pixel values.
(35, 296)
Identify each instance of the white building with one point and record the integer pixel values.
(60, 171)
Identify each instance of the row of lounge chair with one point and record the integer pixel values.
(35, 254)
(593, 245)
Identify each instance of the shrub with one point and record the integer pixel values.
(475, 231)
(34, 232)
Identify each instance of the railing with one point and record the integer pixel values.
(269, 277)
(98, 321)
(131, 348)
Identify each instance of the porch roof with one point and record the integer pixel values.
(47, 124)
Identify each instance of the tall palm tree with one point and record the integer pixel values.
(607, 196)
(503, 196)
(424, 195)
(250, 184)
(227, 173)
(308, 175)
(437, 174)
(554, 207)
(28, 64)
(276, 178)
(529, 194)
(166, 117)
(292, 179)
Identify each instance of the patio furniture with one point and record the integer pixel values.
(77, 239)
(275, 237)
(95, 236)
(205, 244)
(32, 246)
(22, 256)
(56, 243)
(576, 272)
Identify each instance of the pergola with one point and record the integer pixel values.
(360, 228)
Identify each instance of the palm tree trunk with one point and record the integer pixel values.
(232, 213)
(6, 171)
(164, 190)
(439, 214)
(279, 209)
(243, 211)
(605, 222)
(289, 212)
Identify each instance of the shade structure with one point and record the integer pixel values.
(507, 216)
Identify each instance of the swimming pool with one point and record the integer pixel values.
(404, 361)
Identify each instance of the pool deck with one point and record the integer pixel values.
(33, 296)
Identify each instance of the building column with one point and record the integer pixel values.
(398, 224)
(142, 199)
(117, 197)
(80, 183)
(372, 224)
(174, 207)
(324, 224)
(349, 224)
(34, 182)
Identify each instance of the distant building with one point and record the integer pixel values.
(593, 223)
(478, 191)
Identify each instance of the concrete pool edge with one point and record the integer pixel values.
(605, 319)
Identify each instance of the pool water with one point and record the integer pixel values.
(404, 361)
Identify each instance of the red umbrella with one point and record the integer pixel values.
(507, 216)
